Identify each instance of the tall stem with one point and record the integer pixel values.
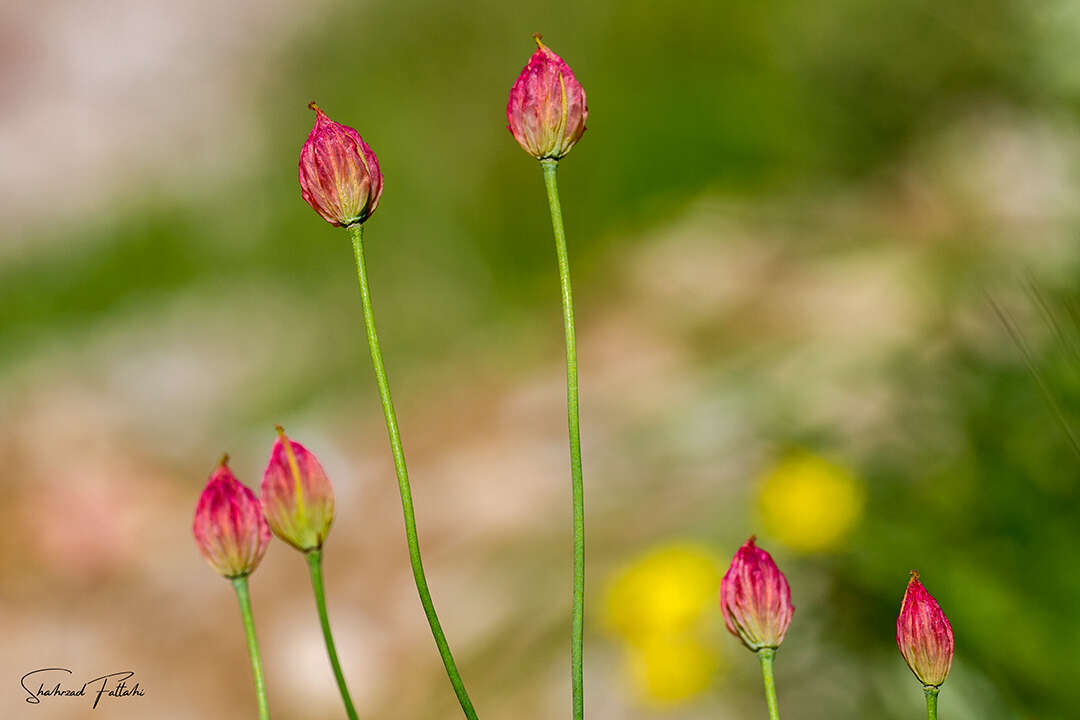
(766, 656)
(576, 484)
(314, 558)
(931, 701)
(403, 478)
(240, 584)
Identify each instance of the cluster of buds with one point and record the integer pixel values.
(340, 179)
(233, 527)
(339, 172)
(756, 603)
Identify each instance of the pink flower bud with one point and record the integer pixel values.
(229, 526)
(755, 598)
(339, 173)
(924, 635)
(296, 495)
(546, 111)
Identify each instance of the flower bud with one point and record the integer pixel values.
(339, 173)
(296, 495)
(229, 526)
(755, 598)
(546, 111)
(924, 635)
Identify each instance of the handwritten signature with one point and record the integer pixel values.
(113, 685)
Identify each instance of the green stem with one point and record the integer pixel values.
(931, 701)
(576, 484)
(314, 558)
(240, 584)
(403, 479)
(766, 656)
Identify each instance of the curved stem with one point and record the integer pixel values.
(314, 558)
(576, 484)
(403, 478)
(931, 701)
(240, 584)
(766, 656)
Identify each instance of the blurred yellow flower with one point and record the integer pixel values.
(666, 590)
(809, 503)
(671, 670)
(657, 605)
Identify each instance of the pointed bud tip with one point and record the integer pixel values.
(224, 461)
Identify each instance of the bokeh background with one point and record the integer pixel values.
(825, 257)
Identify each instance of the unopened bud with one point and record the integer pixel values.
(339, 173)
(229, 526)
(755, 598)
(546, 111)
(296, 495)
(924, 635)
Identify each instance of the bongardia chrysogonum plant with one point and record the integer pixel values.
(546, 114)
(340, 179)
(755, 600)
(232, 535)
(925, 638)
(298, 502)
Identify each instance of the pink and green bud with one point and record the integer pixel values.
(339, 173)
(546, 111)
(229, 526)
(296, 495)
(924, 635)
(755, 598)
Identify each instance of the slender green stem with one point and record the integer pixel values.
(576, 484)
(240, 584)
(931, 701)
(403, 479)
(314, 558)
(766, 656)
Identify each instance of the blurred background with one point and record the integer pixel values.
(825, 257)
